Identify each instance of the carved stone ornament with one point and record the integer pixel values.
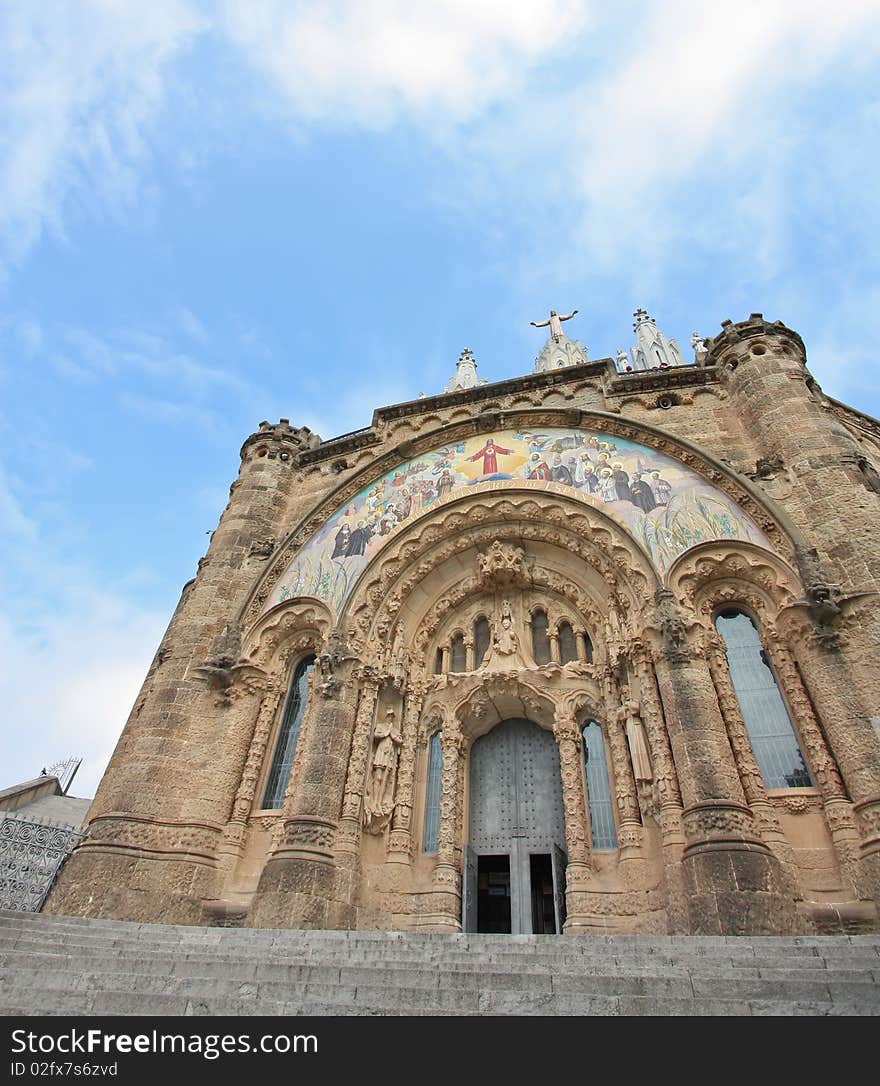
(672, 628)
(502, 564)
(229, 678)
(262, 548)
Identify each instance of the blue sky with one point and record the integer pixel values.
(216, 213)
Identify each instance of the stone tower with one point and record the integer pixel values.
(580, 651)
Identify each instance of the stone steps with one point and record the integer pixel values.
(63, 965)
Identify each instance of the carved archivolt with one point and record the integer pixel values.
(446, 551)
(290, 629)
(719, 574)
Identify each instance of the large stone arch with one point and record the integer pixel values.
(780, 533)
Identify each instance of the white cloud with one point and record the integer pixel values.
(71, 671)
(74, 651)
(80, 84)
(376, 61)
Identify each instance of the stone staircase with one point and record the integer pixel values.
(54, 965)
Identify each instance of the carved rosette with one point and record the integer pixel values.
(355, 781)
(574, 799)
(400, 837)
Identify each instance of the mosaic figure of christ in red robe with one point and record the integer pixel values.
(488, 453)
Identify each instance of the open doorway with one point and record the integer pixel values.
(543, 902)
(493, 894)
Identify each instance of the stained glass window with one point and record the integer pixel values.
(766, 718)
(540, 640)
(288, 734)
(432, 794)
(602, 826)
(458, 655)
(482, 636)
(568, 649)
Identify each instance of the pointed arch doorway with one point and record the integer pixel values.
(514, 862)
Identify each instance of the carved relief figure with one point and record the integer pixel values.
(379, 800)
(504, 652)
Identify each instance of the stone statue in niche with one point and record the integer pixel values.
(398, 664)
(504, 652)
(379, 798)
(629, 714)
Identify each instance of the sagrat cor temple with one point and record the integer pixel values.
(592, 650)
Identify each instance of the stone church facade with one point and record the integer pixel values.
(592, 650)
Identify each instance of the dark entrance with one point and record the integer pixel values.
(493, 894)
(514, 867)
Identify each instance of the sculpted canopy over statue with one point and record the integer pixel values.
(555, 322)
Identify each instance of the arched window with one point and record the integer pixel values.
(602, 827)
(457, 654)
(540, 640)
(588, 646)
(288, 734)
(568, 649)
(482, 636)
(766, 718)
(438, 662)
(432, 794)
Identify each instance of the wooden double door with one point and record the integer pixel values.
(514, 862)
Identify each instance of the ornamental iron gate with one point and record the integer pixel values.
(31, 855)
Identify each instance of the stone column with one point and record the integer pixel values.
(553, 637)
(847, 762)
(444, 667)
(348, 840)
(400, 838)
(666, 787)
(629, 830)
(243, 804)
(469, 654)
(577, 831)
(574, 797)
(734, 883)
(665, 776)
(297, 887)
(446, 901)
(582, 643)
